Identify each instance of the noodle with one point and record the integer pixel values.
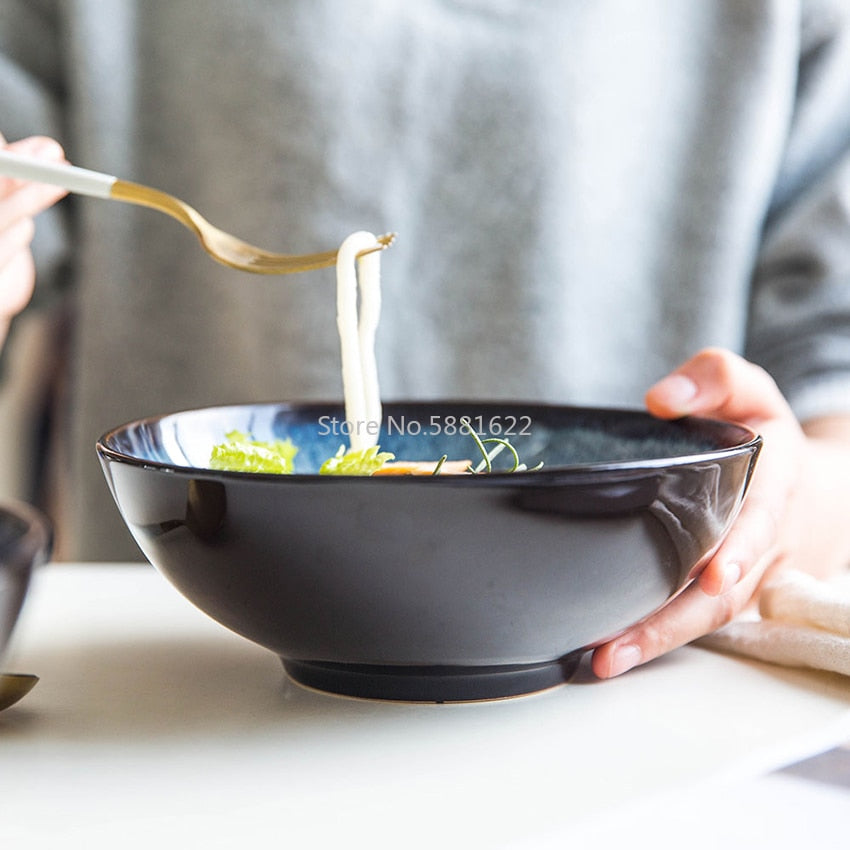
(357, 336)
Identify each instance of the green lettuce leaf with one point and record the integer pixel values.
(361, 462)
(242, 454)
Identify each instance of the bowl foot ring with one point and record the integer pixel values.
(432, 683)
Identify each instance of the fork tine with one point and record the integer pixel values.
(308, 262)
(384, 242)
(262, 262)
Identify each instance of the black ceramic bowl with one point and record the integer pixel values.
(432, 588)
(25, 541)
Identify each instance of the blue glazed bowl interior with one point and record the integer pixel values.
(589, 438)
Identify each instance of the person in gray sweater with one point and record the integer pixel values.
(592, 200)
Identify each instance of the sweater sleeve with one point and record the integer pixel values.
(31, 100)
(799, 323)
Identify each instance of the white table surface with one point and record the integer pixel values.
(154, 725)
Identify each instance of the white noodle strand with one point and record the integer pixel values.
(357, 336)
(369, 277)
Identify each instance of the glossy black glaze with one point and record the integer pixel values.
(25, 541)
(432, 588)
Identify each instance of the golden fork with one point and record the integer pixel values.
(224, 247)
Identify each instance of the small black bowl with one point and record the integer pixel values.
(432, 588)
(25, 543)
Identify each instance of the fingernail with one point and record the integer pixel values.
(625, 657)
(678, 391)
(43, 147)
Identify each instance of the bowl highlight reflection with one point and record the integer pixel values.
(432, 588)
(25, 543)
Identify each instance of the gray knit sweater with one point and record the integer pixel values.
(585, 194)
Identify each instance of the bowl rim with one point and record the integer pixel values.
(751, 442)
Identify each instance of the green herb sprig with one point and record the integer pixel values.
(485, 465)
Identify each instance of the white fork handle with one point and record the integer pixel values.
(70, 177)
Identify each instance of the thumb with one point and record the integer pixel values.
(716, 382)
